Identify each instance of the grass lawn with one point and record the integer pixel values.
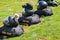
(48, 29)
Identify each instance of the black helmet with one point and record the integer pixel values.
(28, 12)
(42, 5)
(10, 21)
(28, 6)
(6, 22)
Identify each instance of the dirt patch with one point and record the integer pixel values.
(43, 39)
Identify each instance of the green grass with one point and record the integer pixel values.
(49, 28)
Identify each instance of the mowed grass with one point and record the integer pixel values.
(48, 29)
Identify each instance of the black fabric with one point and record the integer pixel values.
(11, 31)
(34, 19)
(38, 12)
(44, 12)
(47, 12)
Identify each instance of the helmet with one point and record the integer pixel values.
(42, 5)
(28, 6)
(6, 22)
(10, 21)
(28, 12)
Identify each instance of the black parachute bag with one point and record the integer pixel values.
(43, 9)
(7, 32)
(41, 5)
(10, 28)
(47, 12)
(34, 19)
